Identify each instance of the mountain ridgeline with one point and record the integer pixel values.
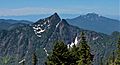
(20, 41)
(93, 21)
(6, 23)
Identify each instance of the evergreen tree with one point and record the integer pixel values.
(60, 55)
(118, 52)
(74, 54)
(34, 59)
(115, 60)
(84, 51)
(111, 59)
(107, 63)
(101, 61)
(6, 60)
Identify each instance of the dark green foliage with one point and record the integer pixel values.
(115, 58)
(34, 59)
(74, 54)
(84, 51)
(107, 63)
(101, 61)
(60, 55)
(111, 59)
(118, 53)
(6, 60)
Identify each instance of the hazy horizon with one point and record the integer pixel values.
(23, 9)
(34, 18)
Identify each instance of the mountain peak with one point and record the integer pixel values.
(64, 22)
(50, 19)
(45, 24)
(55, 15)
(95, 22)
(92, 14)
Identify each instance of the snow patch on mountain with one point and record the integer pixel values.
(39, 35)
(41, 28)
(41, 25)
(73, 43)
(95, 38)
(76, 41)
(38, 30)
(44, 23)
(48, 21)
(22, 61)
(57, 24)
(46, 51)
(41, 31)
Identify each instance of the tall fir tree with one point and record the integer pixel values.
(111, 59)
(60, 55)
(86, 57)
(118, 52)
(74, 54)
(34, 59)
(107, 63)
(101, 61)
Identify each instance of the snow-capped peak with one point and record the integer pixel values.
(44, 24)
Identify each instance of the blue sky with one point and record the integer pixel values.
(36, 7)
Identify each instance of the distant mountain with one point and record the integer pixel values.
(6, 23)
(95, 22)
(22, 40)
